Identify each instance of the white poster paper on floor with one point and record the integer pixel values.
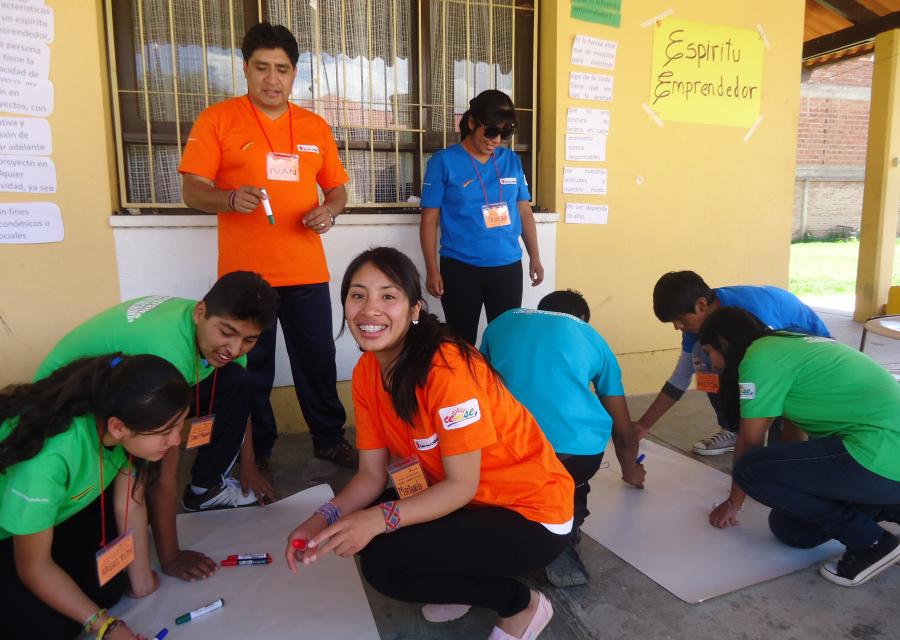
(24, 59)
(583, 213)
(325, 599)
(27, 174)
(585, 147)
(29, 97)
(25, 21)
(581, 120)
(591, 86)
(25, 136)
(594, 52)
(30, 223)
(584, 181)
(663, 531)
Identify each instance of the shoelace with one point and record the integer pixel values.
(233, 491)
(718, 437)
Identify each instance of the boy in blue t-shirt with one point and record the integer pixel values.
(549, 359)
(685, 300)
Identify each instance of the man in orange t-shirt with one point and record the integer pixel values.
(256, 161)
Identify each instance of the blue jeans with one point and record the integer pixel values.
(304, 312)
(817, 492)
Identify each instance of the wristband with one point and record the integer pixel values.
(101, 632)
(330, 214)
(330, 511)
(231, 195)
(391, 511)
(92, 620)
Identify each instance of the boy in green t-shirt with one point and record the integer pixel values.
(207, 341)
(841, 482)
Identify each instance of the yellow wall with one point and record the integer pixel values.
(708, 202)
(48, 288)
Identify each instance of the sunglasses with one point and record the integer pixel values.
(493, 131)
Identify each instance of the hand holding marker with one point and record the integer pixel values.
(267, 206)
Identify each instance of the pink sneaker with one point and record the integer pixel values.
(444, 612)
(540, 620)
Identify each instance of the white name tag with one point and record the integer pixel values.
(424, 444)
(308, 148)
(747, 390)
(460, 415)
(508, 181)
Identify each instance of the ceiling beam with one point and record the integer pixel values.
(851, 10)
(850, 36)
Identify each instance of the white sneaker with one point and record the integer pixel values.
(720, 442)
(228, 495)
(444, 612)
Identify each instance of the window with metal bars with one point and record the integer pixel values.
(391, 77)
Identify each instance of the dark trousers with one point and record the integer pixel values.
(582, 469)
(231, 407)
(470, 556)
(75, 543)
(304, 312)
(467, 288)
(817, 492)
(775, 429)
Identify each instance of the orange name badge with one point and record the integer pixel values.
(283, 166)
(114, 557)
(495, 215)
(708, 381)
(408, 477)
(201, 431)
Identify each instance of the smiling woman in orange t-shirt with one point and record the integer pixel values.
(485, 497)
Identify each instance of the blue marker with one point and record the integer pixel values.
(162, 634)
(641, 458)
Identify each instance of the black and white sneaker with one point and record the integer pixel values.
(855, 568)
(228, 495)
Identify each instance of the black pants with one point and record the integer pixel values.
(582, 469)
(470, 556)
(467, 288)
(304, 312)
(75, 543)
(231, 407)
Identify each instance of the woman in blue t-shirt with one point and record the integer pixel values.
(477, 190)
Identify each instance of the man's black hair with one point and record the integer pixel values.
(243, 295)
(677, 292)
(568, 301)
(266, 35)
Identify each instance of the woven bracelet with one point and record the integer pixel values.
(391, 511)
(330, 511)
(90, 621)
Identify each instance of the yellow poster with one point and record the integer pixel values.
(706, 73)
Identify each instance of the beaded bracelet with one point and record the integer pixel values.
(391, 511)
(330, 511)
(101, 632)
(90, 621)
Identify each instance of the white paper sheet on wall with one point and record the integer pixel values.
(591, 86)
(324, 600)
(30, 223)
(594, 52)
(663, 531)
(25, 136)
(581, 120)
(584, 181)
(584, 213)
(585, 147)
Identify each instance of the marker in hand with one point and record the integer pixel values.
(268, 207)
(640, 458)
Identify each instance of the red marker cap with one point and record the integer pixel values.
(298, 543)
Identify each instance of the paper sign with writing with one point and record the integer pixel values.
(583, 213)
(585, 147)
(201, 431)
(594, 52)
(25, 136)
(30, 223)
(589, 182)
(705, 73)
(591, 86)
(580, 120)
(27, 174)
(33, 98)
(115, 556)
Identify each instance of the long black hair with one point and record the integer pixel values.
(410, 369)
(731, 331)
(143, 391)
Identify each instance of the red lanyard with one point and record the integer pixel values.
(212, 396)
(102, 500)
(259, 122)
(481, 182)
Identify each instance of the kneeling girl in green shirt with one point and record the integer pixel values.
(842, 481)
(63, 441)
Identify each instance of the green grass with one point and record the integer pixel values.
(828, 268)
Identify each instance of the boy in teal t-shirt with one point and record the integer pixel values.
(841, 482)
(565, 374)
(207, 341)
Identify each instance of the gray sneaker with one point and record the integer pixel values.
(567, 570)
(228, 495)
(722, 441)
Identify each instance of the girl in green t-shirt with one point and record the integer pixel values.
(842, 481)
(57, 508)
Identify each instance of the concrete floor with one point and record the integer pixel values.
(621, 602)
